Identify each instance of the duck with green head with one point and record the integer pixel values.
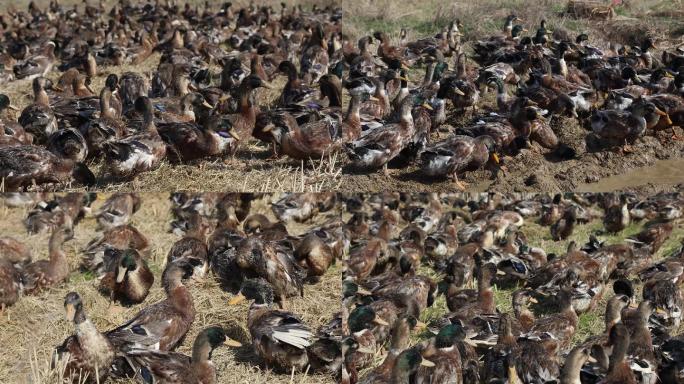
(128, 278)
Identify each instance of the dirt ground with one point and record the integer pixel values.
(31, 328)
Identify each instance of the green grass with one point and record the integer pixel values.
(590, 323)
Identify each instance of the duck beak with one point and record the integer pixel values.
(380, 321)
(499, 272)
(469, 341)
(592, 360)
(405, 78)
(363, 291)
(373, 98)
(268, 128)
(192, 87)
(57, 88)
(531, 103)
(427, 106)
(121, 273)
(495, 157)
(427, 363)
(206, 104)
(405, 67)
(420, 325)
(660, 311)
(12, 107)
(70, 312)
(224, 98)
(365, 350)
(459, 92)
(237, 299)
(533, 300)
(232, 343)
(525, 30)
(234, 135)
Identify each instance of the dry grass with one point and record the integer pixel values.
(35, 325)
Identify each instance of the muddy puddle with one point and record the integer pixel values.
(662, 172)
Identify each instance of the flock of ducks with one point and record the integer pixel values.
(617, 94)
(402, 254)
(255, 259)
(410, 251)
(201, 100)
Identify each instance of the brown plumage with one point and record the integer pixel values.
(43, 274)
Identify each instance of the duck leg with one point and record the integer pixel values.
(385, 171)
(675, 136)
(462, 186)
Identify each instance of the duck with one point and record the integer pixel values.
(15, 251)
(563, 227)
(38, 118)
(244, 121)
(60, 210)
(108, 126)
(160, 326)
(283, 273)
(190, 141)
(314, 255)
(308, 141)
(121, 237)
(622, 127)
(300, 207)
(398, 368)
(118, 210)
(25, 165)
(192, 248)
(259, 225)
(132, 155)
(619, 370)
(279, 337)
(44, 274)
(444, 354)
(127, 278)
(570, 373)
(174, 367)
(86, 354)
(11, 132)
(37, 65)
(376, 148)
(456, 155)
(10, 283)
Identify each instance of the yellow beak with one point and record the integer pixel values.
(427, 363)
(459, 92)
(380, 321)
(405, 78)
(427, 106)
(121, 273)
(70, 312)
(373, 98)
(206, 104)
(495, 157)
(268, 128)
(237, 299)
(405, 67)
(232, 343)
(533, 300)
(234, 135)
(12, 107)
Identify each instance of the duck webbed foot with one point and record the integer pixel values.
(461, 185)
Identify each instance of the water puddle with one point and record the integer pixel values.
(663, 172)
